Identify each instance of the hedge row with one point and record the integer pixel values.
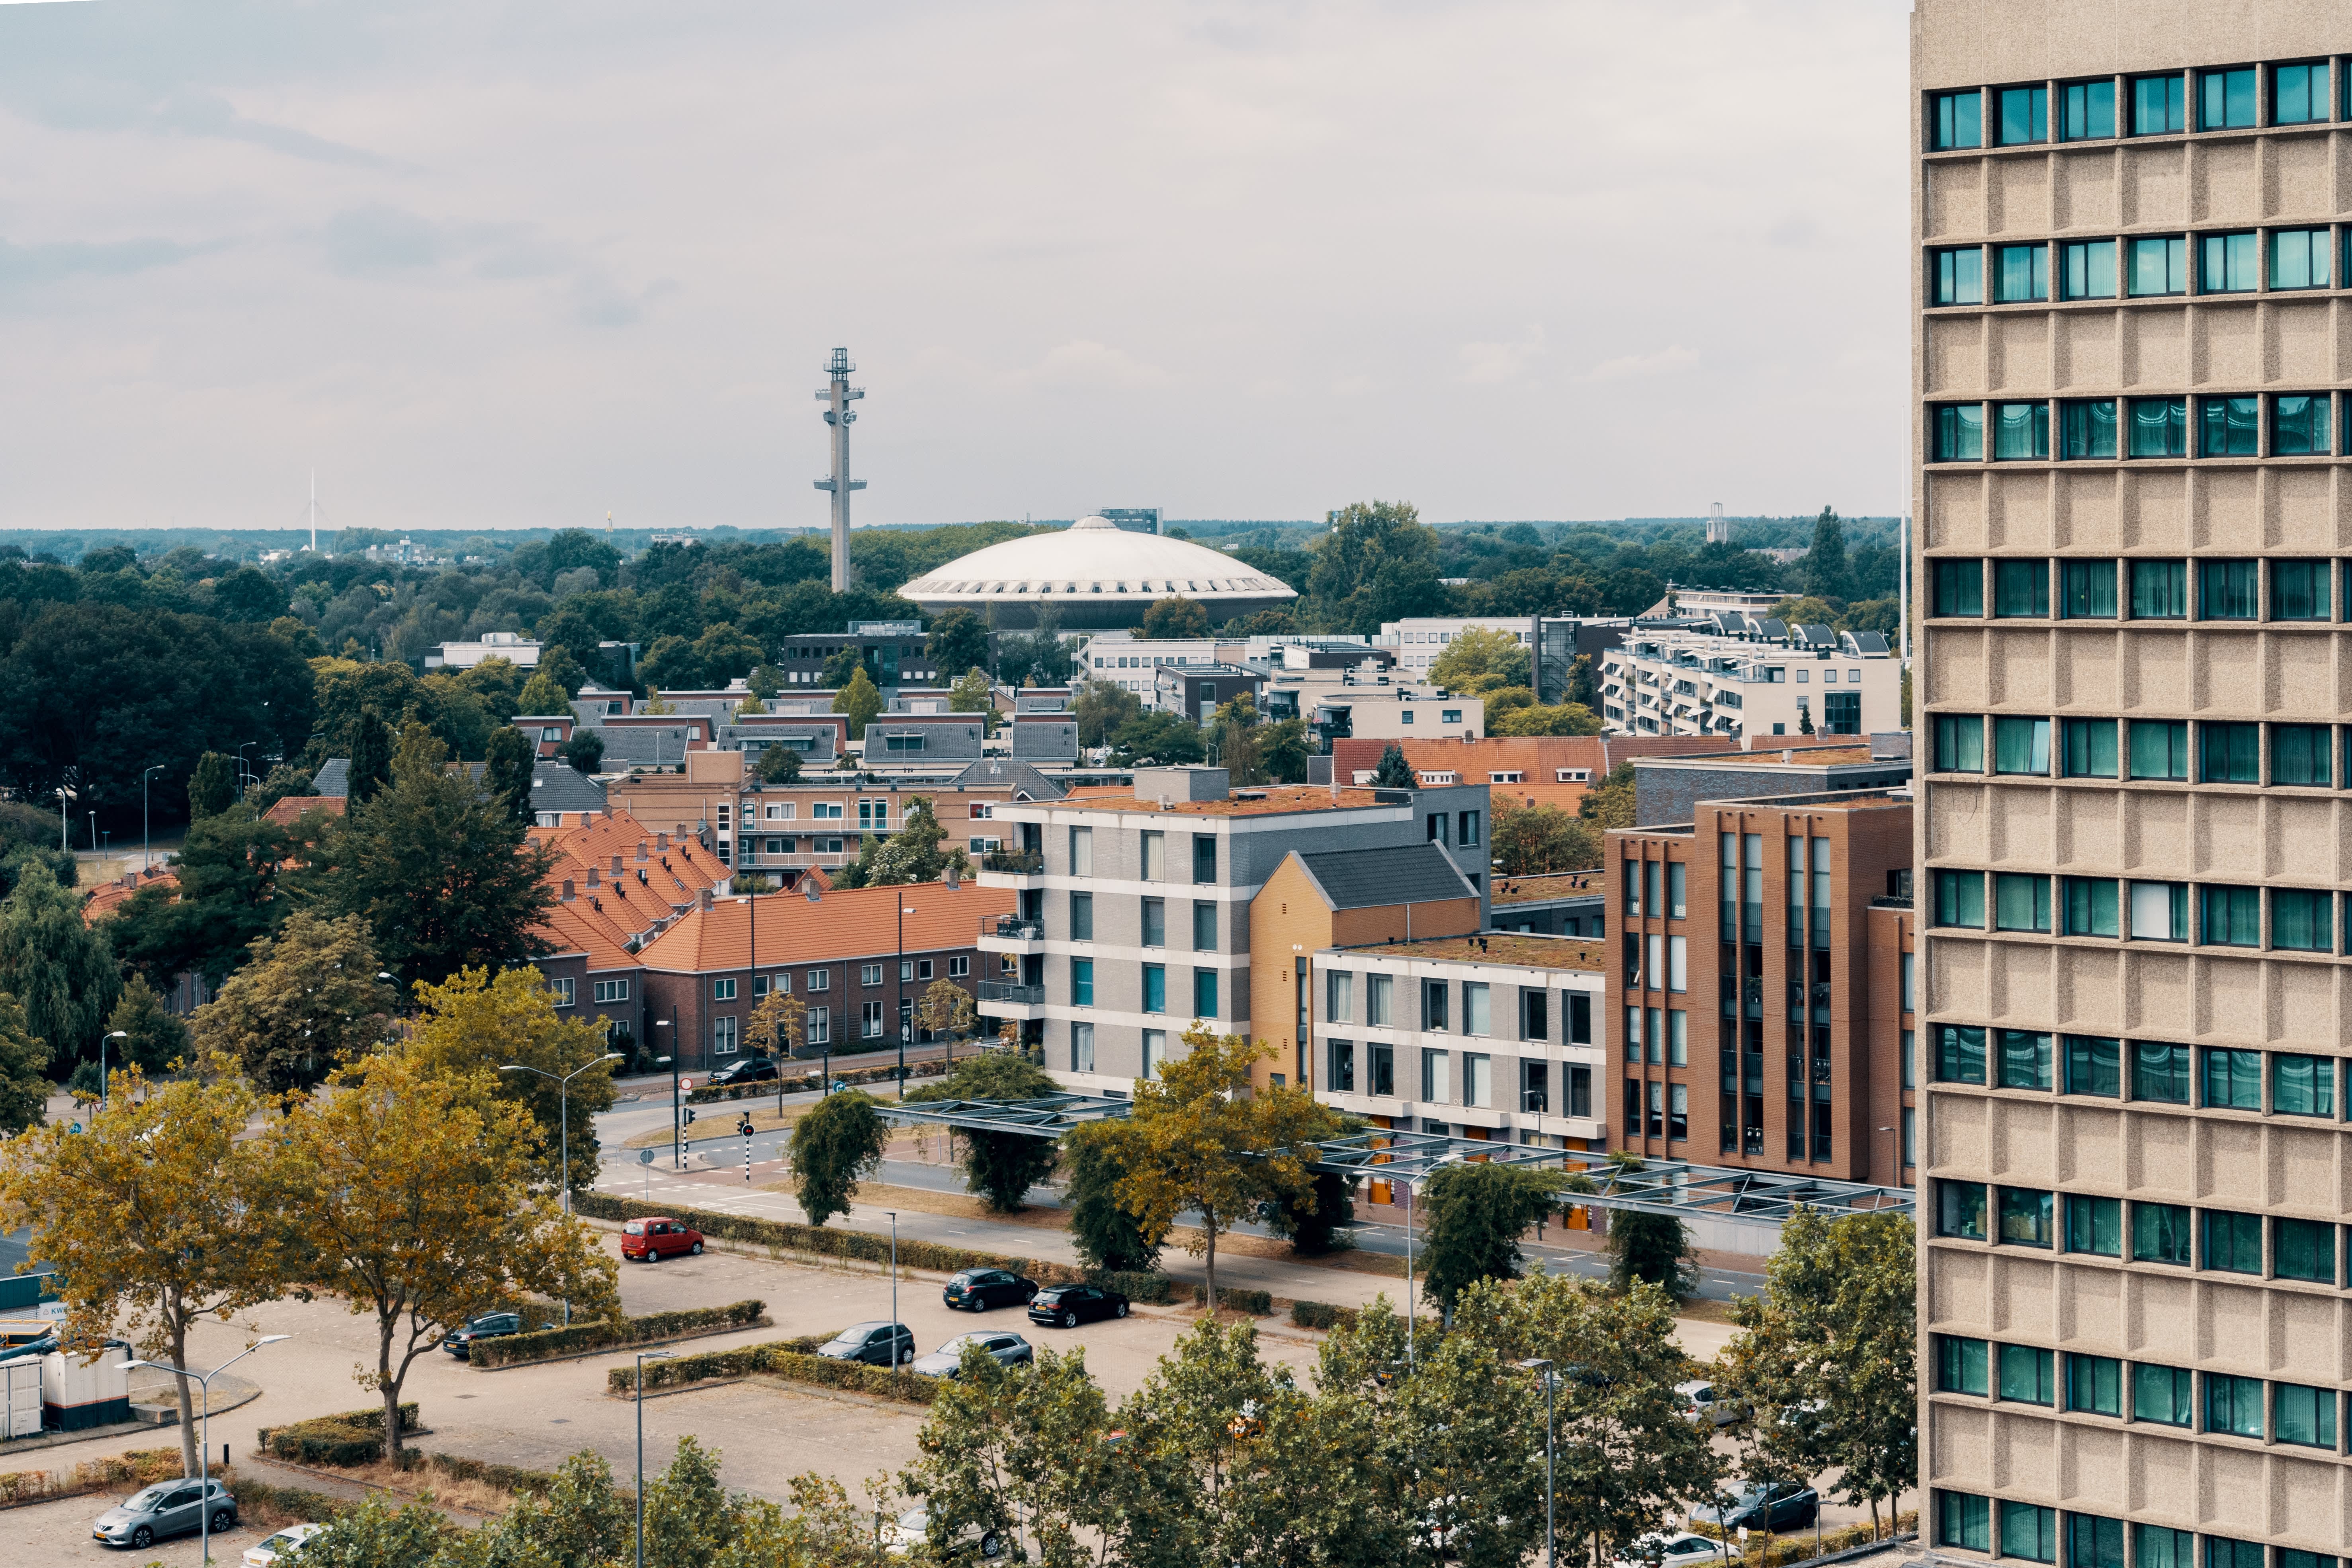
(291, 1504)
(353, 1437)
(368, 1420)
(676, 1371)
(864, 1245)
(505, 1478)
(580, 1339)
(855, 1376)
(1322, 1315)
(1256, 1303)
(1801, 1548)
(110, 1472)
(1153, 1289)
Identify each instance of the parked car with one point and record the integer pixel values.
(911, 1529)
(1067, 1306)
(1700, 1403)
(876, 1344)
(1009, 1348)
(488, 1326)
(284, 1548)
(1781, 1505)
(1667, 1551)
(981, 1289)
(747, 1070)
(167, 1508)
(651, 1240)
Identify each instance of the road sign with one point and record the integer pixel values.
(644, 1156)
(685, 1083)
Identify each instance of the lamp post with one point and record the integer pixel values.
(677, 1128)
(111, 1035)
(1409, 1309)
(564, 1113)
(144, 860)
(643, 1357)
(205, 1446)
(1893, 1158)
(1552, 1538)
(894, 1289)
(240, 768)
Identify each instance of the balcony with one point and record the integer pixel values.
(1013, 868)
(1012, 999)
(1011, 933)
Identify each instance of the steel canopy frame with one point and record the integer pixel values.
(1397, 1154)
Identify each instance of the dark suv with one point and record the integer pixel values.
(1783, 1505)
(488, 1326)
(748, 1070)
(981, 1289)
(876, 1344)
(1067, 1306)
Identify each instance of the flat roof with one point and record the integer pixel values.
(1519, 949)
(1770, 757)
(1267, 800)
(1561, 885)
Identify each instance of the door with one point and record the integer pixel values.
(20, 1398)
(178, 1514)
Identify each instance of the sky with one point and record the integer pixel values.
(485, 265)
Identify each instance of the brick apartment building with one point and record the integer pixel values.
(1535, 770)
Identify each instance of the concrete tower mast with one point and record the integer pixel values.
(839, 414)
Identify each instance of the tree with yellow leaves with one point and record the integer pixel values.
(946, 1009)
(477, 1024)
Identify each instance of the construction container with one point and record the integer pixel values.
(77, 1392)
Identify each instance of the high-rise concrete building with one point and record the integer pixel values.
(2130, 338)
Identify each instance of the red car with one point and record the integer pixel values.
(651, 1240)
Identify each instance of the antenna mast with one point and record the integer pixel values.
(837, 396)
(310, 514)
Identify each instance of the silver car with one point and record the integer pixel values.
(1009, 1348)
(167, 1508)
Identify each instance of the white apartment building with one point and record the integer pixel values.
(1420, 640)
(513, 646)
(1706, 683)
(1133, 662)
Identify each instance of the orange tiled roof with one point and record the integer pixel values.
(581, 927)
(105, 899)
(288, 809)
(674, 876)
(848, 922)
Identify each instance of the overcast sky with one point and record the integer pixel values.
(493, 264)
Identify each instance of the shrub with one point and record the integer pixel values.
(325, 1442)
(368, 1420)
(505, 1478)
(855, 1376)
(863, 1246)
(1256, 1303)
(1156, 1289)
(1322, 1315)
(262, 1503)
(110, 1472)
(548, 1344)
(678, 1371)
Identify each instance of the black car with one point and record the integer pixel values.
(877, 1345)
(488, 1326)
(1067, 1306)
(749, 1070)
(1781, 1505)
(981, 1289)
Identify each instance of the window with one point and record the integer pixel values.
(561, 988)
(2025, 1060)
(2304, 1249)
(2029, 1531)
(2086, 270)
(1959, 587)
(1449, 715)
(1082, 982)
(1205, 858)
(2094, 1387)
(2159, 590)
(1380, 1061)
(2230, 754)
(2226, 100)
(610, 990)
(819, 979)
(1155, 1052)
(2087, 749)
(2021, 902)
(2228, 426)
(2299, 94)
(1433, 1005)
(1960, 1210)
(1082, 917)
(2226, 263)
(1204, 993)
(1960, 433)
(2299, 258)
(1959, 743)
(1339, 997)
(2020, 746)
(1155, 922)
(2024, 115)
(1205, 927)
(2159, 427)
(2162, 1394)
(1082, 1047)
(1677, 902)
(906, 970)
(1155, 988)
(2154, 1546)
(1436, 1076)
(1579, 1091)
(2230, 917)
(722, 990)
(1436, 826)
(2087, 110)
(2020, 588)
(1579, 1018)
(2160, 911)
(2087, 428)
(1082, 851)
(1966, 1522)
(1476, 1011)
(2300, 752)
(1465, 823)
(2300, 920)
(2234, 1405)
(1959, 277)
(2025, 1217)
(2028, 1375)
(2305, 1416)
(830, 810)
(2299, 425)
(2159, 750)
(869, 1023)
(2233, 1242)
(957, 968)
(2159, 1073)
(2300, 591)
(820, 1026)
(1377, 989)
(1478, 1080)
(2095, 1225)
(724, 1041)
(2229, 590)
(1155, 856)
(2086, 590)
(2233, 1080)
(1959, 120)
(2094, 1066)
(2222, 1552)
(2160, 105)
(1959, 899)
(870, 974)
(2021, 275)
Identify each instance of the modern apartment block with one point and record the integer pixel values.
(1764, 680)
(1778, 924)
(2129, 224)
(1134, 917)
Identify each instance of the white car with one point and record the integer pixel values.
(913, 1528)
(1683, 1546)
(1700, 1403)
(283, 1548)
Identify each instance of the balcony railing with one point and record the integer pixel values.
(1013, 927)
(1029, 861)
(1010, 990)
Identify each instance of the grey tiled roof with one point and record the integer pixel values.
(558, 786)
(334, 777)
(990, 772)
(1370, 879)
(645, 743)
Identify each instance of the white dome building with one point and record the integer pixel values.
(1095, 575)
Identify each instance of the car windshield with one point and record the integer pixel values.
(151, 1499)
(914, 1518)
(284, 1540)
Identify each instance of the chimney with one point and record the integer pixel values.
(702, 900)
(661, 840)
(641, 851)
(567, 889)
(616, 867)
(592, 877)
(953, 878)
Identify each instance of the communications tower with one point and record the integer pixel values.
(837, 398)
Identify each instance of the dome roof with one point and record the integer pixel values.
(1094, 573)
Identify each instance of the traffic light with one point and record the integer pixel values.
(690, 1116)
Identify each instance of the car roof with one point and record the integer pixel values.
(867, 1327)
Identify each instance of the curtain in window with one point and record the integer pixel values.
(1959, 277)
(2159, 590)
(2087, 429)
(2229, 590)
(2094, 1066)
(1959, 1054)
(2302, 919)
(2020, 746)
(2228, 427)
(1959, 743)
(2022, 431)
(2298, 424)
(2087, 269)
(2087, 590)
(2232, 754)
(1959, 587)
(2303, 1086)
(2299, 755)
(2024, 1060)
(2159, 264)
(2154, 1546)
(2091, 907)
(2090, 748)
(2159, 750)
(2020, 588)
(2160, 1073)
(2021, 902)
(2160, 911)
(1959, 899)
(2023, 274)
(2232, 916)
(2299, 591)
(2227, 265)
(1960, 433)
(2160, 1233)
(2159, 427)
(2299, 258)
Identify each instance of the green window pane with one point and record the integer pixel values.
(2096, 1226)
(2025, 1058)
(2299, 425)
(1959, 120)
(2160, 1232)
(2087, 110)
(2022, 430)
(2089, 904)
(2228, 427)
(2159, 1073)
(2222, 1552)
(2159, 264)
(2226, 100)
(2299, 258)
(2024, 115)
(2230, 917)
(2233, 1242)
(2159, 590)
(2020, 588)
(2093, 1542)
(2163, 1395)
(1959, 587)
(2226, 264)
(2229, 590)
(2095, 1385)
(2303, 1086)
(1959, 1365)
(1082, 982)
(2301, 920)
(2021, 902)
(2159, 750)
(2086, 270)
(2305, 1416)
(1966, 1522)
(2300, 591)
(2159, 107)
(2154, 1546)
(2232, 754)
(2233, 1404)
(2089, 751)
(2159, 427)
(1960, 433)
(1959, 1054)
(2086, 590)
(2025, 1217)
(2020, 746)
(2021, 275)
(2029, 1531)
(1155, 988)
(1959, 277)
(1960, 1210)
(1959, 899)
(2233, 1080)
(2301, 754)
(2305, 1249)
(2094, 1065)
(2087, 428)
(1959, 743)
(2290, 1558)
(2299, 94)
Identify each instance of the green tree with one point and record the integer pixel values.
(1538, 840)
(860, 700)
(1609, 804)
(1175, 616)
(377, 1533)
(371, 757)
(1475, 1216)
(1102, 709)
(835, 1145)
(473, 1022)
(916, 853)
(60, 969)
(1583, 691)
(971, 694)
(670, 662)
(584, 751)
(483, 905)
(1376, 563)
(1167, 739)
(1005, 1449)
(1316, 1223)
(153, 1040)
(1826, 574)
(1632, 591)
(999, 1168)
(1540, 719)
(1655, 1249)
(779, 763)
(308, 1002)
(24, 1084)
(225, 896)
(497, 684)
(1808, 610)
(1283, 751)
(1106, 1235)
(211, 788)
(285, 779)
(841, 667)
(958, 641)
(1394, 771)
(542, 695)
(1235, 725)
(725, 652)
(1479, 659)
(506, 774)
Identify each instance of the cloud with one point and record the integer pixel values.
(23, 266)
(1634, 367)
(1083, 364)
(378, 239)
(1488, 365)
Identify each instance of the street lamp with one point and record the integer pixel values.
(240, 768)
(144, 860)
(894, 1288)
(676, 1127)
(1551, 1537)
(114, 1034)
(643, 1357)
(205, 1446)
(564, 1109)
